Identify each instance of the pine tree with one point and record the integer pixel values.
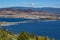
(23, 36)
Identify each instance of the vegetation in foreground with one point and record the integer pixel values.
(4, 35)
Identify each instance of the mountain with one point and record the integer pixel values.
(51, 10)
(30, 12)
(45, 9)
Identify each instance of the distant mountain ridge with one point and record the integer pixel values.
(45, 9)
(30, 12)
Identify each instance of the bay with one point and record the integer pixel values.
(44, 28)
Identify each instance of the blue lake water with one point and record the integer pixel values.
(48, 28)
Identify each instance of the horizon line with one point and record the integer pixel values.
(30, 7)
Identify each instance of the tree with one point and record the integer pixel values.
(46, 38)
(32, 35)
(23, 36)
(52, 39)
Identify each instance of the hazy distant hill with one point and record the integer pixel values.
(29, 12)
(46, 9)
(51, 10)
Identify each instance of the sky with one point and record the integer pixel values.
(30, 3)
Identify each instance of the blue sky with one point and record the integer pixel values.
(30, 3)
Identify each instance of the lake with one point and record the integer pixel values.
(42, 28)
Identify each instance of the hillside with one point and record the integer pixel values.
(29, 12)
(46, 9)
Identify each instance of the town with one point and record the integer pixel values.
(10, 13)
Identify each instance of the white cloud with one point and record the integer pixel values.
(33, 4)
